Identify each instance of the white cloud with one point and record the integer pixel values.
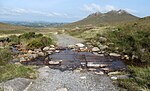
(20, 11)
(90, 8)
(130, 10)
(109, 8)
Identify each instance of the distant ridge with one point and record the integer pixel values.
(111, 17)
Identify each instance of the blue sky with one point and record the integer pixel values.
(66, 10)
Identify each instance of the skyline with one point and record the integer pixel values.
(66, 10)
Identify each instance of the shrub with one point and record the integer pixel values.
(139, 81)
(14, 39)
(5, 56)
(39, 42)
(131, 43)
(28, 35)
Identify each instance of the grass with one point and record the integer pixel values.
(11, 31)
(139, 81)
(9, 71)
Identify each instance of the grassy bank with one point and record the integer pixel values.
(9, 71)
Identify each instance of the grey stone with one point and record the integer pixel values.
(46, 48)
(95, 49)
(17, 84)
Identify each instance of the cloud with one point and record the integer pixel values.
(131, 10)
(109, 8)
(90, 8)
(19, 11)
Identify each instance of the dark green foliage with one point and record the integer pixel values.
(14, 39)
(39, 42)
(5, 56)
(139, 81)
(28, 35)
(131, 41)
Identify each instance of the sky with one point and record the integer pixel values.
(66, 10)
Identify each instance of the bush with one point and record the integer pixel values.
(139, 81)
(28, 35)
(39, 42)
(131, 43)
(5, 56)
(14, 39)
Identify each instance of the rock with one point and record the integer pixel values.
(54, 62)
(37, 50)
(115, 54)
(31, 56)
(80, 45)
(49, 52)
(84, 49)
(62, 89)
(103, 47)
(113, 78)
(99, 73)
(52, 49)
(83, 77)
(40, 53)
(91, 64)
(95, 49)
(102, 39)
(71, 46)
(123, 76)
(57, 51)
(114, 73)
(96, 65)
(126, 57)
(30, 51)
(46, 48)
(92, 69)
(52, 46)
(78, 70)
(17, 84)
(22, 59)
(17, 63)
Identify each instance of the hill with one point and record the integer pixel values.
(13, 29)
(111, 17)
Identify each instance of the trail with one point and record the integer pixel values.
(64, 40)
(53, 80)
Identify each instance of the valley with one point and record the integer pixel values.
(103, 52)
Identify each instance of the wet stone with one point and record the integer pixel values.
(68, 59)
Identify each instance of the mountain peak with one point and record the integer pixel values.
(117, 12)
(95, 14)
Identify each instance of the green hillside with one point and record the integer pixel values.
(100, 19)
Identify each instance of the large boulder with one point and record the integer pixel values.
(17, 84)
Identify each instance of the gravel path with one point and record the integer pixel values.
(65, 40)
(51, 80)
